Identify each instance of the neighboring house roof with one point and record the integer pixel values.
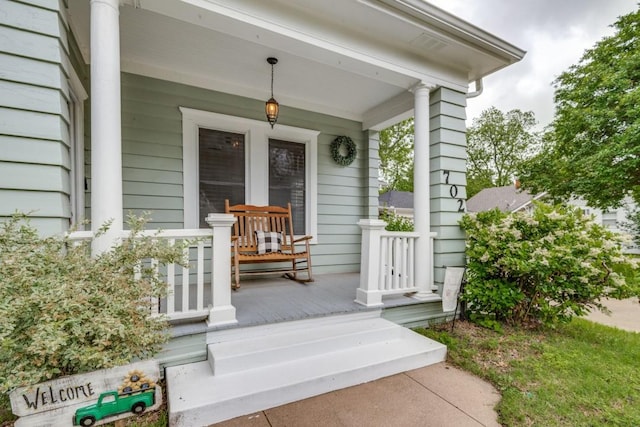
(396, 199)
(507, 199)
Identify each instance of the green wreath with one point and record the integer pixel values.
(336, 150)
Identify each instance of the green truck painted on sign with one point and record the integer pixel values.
(111, 403)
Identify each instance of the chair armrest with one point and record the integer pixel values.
(235, 244)
(302, 239)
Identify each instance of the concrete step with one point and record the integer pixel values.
(276, 348)
(292, 364)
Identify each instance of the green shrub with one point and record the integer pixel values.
(396, 222)
(547, 266)
(63, 312)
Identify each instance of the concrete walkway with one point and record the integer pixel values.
(436, 396)
(625, 314)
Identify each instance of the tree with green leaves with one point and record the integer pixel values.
(497, 143)
(594, 144)
(396, 156)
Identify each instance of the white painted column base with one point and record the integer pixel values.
(221, 312)
(222, 315)
(369, 298)
(427, 296)
(368, 294)
(430, 293)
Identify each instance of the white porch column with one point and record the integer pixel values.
(368, 294)
(222, 312)
(421, 197)
(106, 141)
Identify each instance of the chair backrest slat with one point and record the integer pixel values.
(251, 218)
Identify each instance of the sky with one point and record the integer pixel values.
(555, 34)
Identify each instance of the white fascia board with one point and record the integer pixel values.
(454, 27)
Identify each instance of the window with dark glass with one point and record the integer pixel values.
(221, 169)
(287, 179)
(609, 219)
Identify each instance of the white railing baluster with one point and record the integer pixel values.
(432, 238)
(200, 277)
(185, 281)
(383, 265)
(389, 261)
(411, 260)
(397, 262)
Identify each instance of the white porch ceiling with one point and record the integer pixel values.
(346, 58)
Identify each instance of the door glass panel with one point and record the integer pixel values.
(287, 179)
(222, 171)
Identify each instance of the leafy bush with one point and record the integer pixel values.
(396, 222)
(547, 266)
(63, 312)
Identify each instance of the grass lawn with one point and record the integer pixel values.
(579, 374)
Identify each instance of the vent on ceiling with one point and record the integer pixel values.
(426, 42)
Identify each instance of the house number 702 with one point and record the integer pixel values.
(453, 190)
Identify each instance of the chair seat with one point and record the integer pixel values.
(270, 257)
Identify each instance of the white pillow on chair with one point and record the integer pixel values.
(268, 241)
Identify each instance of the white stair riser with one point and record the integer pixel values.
(256, 332)
(284, 334)
(291, 348)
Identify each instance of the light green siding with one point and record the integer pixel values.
(372, 179)
(448, 178)
(152, 162)
(34, 114)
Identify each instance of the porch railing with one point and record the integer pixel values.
(397, 262)
(191, 292)
(388, 263)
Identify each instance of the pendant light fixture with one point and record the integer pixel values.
(272, 107)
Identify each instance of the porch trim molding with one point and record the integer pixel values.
(257, 134)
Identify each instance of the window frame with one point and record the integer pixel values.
(257, 134)
(77, 97)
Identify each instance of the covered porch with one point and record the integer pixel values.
(200, 293)
(162, 71)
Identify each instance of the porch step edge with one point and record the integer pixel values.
(218, 336)
(275, 348)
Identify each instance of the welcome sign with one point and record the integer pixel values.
(62, 401)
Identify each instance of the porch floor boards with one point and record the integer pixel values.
(274, 299)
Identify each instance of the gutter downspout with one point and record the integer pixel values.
(478, 91)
